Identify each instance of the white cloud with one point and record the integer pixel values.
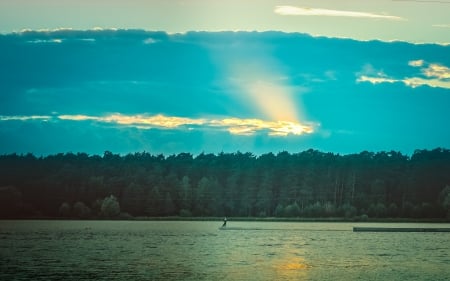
(24, 118)
(302, 11)
(152, 121)
(149, 41)
(77, 117)
(98, 28)
(143, 121)
(37, 41)
(441, 25)
(87, 39)
(45, 30)
(416, 63)
(431, 74)
(434, 83)
(437, 71)
(375, 80)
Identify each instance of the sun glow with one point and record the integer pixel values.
(292, 268)
(251, 126)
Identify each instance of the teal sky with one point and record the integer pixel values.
(192, 76)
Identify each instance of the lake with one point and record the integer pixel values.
(198, 250)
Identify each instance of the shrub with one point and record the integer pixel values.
(110, 207)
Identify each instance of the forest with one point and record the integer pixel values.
(309, 184)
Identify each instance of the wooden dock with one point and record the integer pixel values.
(401, 229)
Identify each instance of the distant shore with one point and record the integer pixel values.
(256, 219)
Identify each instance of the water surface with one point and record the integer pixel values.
(183, 250)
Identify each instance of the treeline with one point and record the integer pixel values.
(305, 184)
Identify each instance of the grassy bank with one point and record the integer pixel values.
(257, 219)
(275, 219)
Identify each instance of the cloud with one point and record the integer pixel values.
(376, 80)
(301, 11)
(235, 126)
(149, 41)
(431, 74)
(25, 118)
(434, 83)
(250, 126)
(46, 30)
(441, 25)
(437, 71)
(416, 63)
(140, 121)
(40, 41)
(424, 1)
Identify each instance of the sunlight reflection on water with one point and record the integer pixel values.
(140, 250)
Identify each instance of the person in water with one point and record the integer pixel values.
(224, 222)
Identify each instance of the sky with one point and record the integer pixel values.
(223, 76)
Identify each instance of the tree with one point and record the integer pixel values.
(169, 207)
(444, 200)
(154, 202)
(10, 201)
(133, 199)
(231, 184)
(392, 210)
(65, 209)
(185, 194)
(279, 211)
(347, 210)
(110, 207)
(206, 196)
(315, 210)
(264, 195)
(80, 210)
(292, 210)
(377, 210)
